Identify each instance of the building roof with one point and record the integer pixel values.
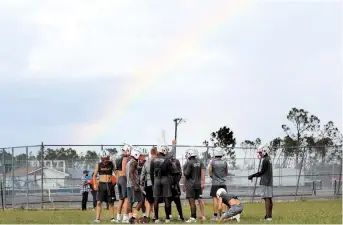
(20, 172)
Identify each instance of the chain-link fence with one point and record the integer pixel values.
(46, 176)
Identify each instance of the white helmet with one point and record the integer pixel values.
(218, 152)
(191, 153)
(220, 191)
(262, 151)
(127, 149)
(163, 149)
(136, 152)
(105, 156)
(144, 152)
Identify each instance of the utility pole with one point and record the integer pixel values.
(177, 122)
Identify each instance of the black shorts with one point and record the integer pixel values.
(122, 190)
(149, 195)
(106, 192)
(215, 188)
(193, 193)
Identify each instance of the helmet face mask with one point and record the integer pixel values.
(136, 153)
(105, 157)
(163, 149)
(262, 153)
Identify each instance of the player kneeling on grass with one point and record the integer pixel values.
(234, 205)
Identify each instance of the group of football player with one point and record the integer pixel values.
(145, 181)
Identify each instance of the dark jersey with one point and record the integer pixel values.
(266, 172)
(119, 162)
(105, 169)
(159, 167)
(192, 172)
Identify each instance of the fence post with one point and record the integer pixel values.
(42, 174)
(4, 175)
(301, 166)
(339, 179)
(27, 178)
(253, 194)
(13, 168)
(314, 188)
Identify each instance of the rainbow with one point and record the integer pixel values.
(157, 68)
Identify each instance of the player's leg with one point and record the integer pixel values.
(137, 197)
(166, 195)
(267, 194)
(156, 193)
(100, 198)
(213, 194)
(190, 195)
(177, 201)
(111, 199)
(149, 200)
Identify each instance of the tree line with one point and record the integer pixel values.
(304, 133)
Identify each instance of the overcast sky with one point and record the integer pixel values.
(108, 72)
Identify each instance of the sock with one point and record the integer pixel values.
(144, 214)
(118, 216)
(125, 217)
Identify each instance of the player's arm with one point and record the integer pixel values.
(210, 169)
(227, 170)
(96, 170)
(264, 168)
(261, 172)
(178, 165)
(187, 171)
(203, 171)
(123, 165)
(152, 170)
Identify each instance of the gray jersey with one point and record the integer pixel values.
(129, 183)
(266, 172)
(145, 175)
(219, 171)
(192, 172)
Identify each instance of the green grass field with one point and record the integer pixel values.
(302, 212)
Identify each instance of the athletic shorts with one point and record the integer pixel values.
(233, 211)
(266, 191)
(214, 189)
(193, 193)
(106, 192)
(122, 190)
(162, 187)
(149, 195)
(134, 196)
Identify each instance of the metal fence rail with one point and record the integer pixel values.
(30, 178)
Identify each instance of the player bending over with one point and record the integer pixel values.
(234, 205)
